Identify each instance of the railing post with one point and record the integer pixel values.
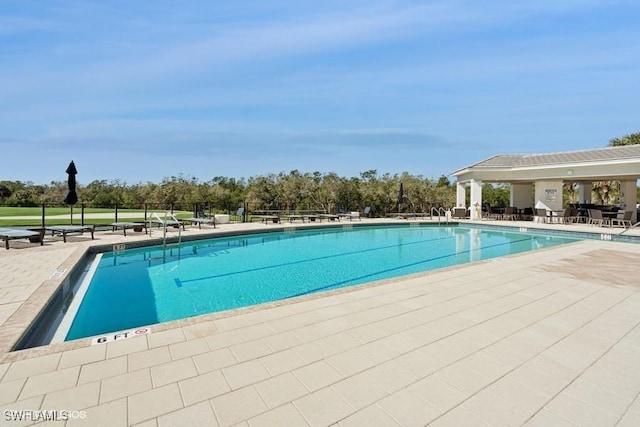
(82, 214)
(116, 214)
(43, 215)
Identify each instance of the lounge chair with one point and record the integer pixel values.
(302, 217)
(596, 218)
(294, 217)
(408, 215)
(623, 220)
(18, 233)
(268, 218)
(510, 213)
(137, 226)
(64, 230)
(200, 221)
(351, 215)
(343, 214)
(329, 217)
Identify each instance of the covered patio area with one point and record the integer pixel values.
(536, 180)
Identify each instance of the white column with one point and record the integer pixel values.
(461, 193)
(628, 198)
(476, 200)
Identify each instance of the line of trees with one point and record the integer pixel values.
(294, 191)
(284, 191)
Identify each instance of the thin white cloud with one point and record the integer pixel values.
(220, 46)
(16, 25)
(219, 49)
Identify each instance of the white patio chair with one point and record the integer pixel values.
(623, 219)
(596, 218)
(540, 214)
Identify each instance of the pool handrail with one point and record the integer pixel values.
(164, 228)
(440, 211)
(627, 229)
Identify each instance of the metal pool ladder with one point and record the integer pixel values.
(440, 211)
(163, 221)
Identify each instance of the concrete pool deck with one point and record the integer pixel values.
(544, 338)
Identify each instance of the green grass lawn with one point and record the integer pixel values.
(6, 214)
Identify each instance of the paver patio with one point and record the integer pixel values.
(545, 338)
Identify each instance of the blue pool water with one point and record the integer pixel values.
(147, 286)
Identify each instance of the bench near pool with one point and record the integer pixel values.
(64, 230)
(18, 233)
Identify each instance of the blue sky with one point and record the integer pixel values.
(142, 90)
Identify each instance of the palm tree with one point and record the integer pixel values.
(631, 139)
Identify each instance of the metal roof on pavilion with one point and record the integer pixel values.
(609, 163)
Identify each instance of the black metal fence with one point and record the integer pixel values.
(85, 213)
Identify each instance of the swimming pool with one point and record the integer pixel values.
(145, 286)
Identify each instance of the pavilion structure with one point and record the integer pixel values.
(536, 180)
